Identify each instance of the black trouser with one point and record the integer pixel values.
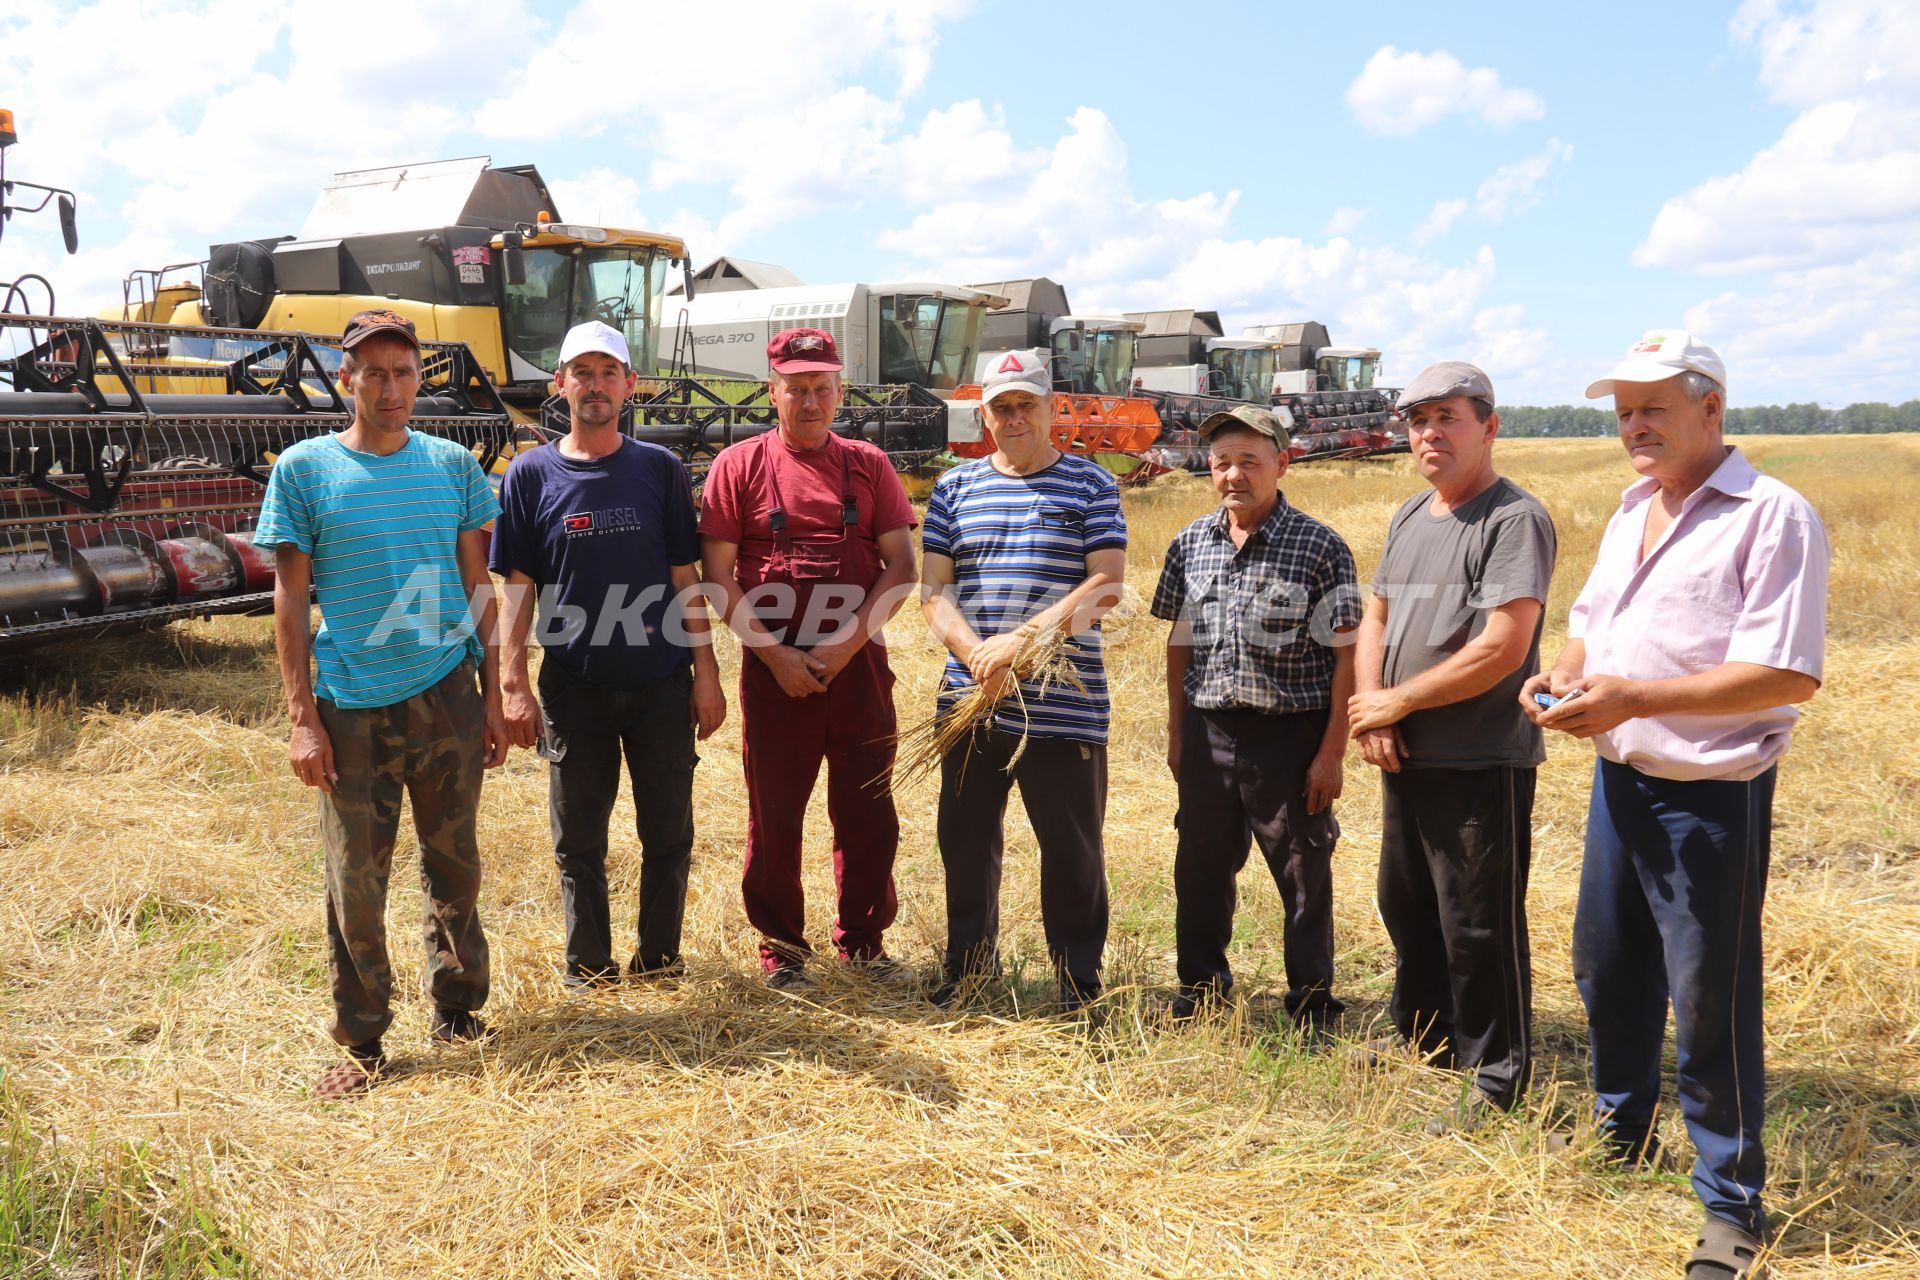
(1243, 776)
(1455, 845)
(589, 727)
(1063, 785)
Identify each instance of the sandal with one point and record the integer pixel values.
(1725, 1252)
(345, 1079)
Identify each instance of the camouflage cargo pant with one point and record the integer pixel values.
(432, 747)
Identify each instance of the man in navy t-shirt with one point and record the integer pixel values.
(601, 526)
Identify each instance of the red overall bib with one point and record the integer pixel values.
(784, 740)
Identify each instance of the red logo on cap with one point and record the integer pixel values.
(1011, 364)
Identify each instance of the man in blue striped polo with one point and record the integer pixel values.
(385, 526)
(1016, 545)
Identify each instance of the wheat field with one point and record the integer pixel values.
(163, 991)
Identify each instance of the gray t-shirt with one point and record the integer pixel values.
(1441, 575)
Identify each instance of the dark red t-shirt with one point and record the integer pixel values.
(738, 494)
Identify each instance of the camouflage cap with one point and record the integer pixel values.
(1253, 418)
(367, 324)
(1444, 381)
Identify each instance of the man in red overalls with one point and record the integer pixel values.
(806, 538)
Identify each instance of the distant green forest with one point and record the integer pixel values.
(1871, 417)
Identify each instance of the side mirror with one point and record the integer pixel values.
(513, 257)
(69, 231)
(686, 279)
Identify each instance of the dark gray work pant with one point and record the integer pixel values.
(1243, 778)
(1063, 784)
(1455, 847)
(590, 728)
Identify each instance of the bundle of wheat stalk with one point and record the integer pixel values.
(1044, 661)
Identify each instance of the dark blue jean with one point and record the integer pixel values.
(1670, 897)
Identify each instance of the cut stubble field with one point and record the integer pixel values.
(164, 994)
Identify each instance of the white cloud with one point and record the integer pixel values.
(1830, 211)
(1345, 219)
(1401, 93)
(835, 84)
(1078, 220)
(1438, 222)
(1513, 188)
(1843, 179)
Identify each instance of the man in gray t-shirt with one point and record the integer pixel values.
(1450, 635)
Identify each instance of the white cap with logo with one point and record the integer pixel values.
(1661, 354)
(594, 336)
(1016, 371)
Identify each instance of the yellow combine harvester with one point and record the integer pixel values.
(479, 255)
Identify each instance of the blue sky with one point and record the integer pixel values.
(1529, 187)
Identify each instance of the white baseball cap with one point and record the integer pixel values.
(1661, 354)
(594, 336)
(1016, 371)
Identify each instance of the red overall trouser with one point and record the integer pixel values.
(784, 740)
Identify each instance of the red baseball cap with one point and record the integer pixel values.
(803, 351)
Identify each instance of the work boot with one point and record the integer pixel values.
(885, 970)
(1478, 1111)
(1192, 1002)
(665, 972)
(452, 1026)
(788, 977)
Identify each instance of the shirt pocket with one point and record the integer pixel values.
(1694, 619)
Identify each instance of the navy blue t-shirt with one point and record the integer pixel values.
(599, 538)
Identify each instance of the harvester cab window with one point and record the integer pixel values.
(1112, 363)
(566, 286)
(1346, 373)
(1094, 361)
(927, 341)
(618, 287)
(537, 310)
(1246, 373)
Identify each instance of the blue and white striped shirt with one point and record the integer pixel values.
(1018, 544)
(381, 531)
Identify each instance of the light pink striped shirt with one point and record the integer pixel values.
(1740, 576)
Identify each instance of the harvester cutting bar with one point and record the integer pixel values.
(1084, 424)
(133, 458)
(698, 417)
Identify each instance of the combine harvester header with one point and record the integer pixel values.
(122, 503)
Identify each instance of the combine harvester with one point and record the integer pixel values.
(1330, 393)
(1096, 411)
(477, 254)
(133, 454)
(1196, 371)
(917, 335)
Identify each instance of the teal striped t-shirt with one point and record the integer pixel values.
(381, 531)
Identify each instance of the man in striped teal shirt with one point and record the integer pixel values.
(384, 525)
(1018, 544)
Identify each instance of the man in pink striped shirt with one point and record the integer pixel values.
(1702, 623)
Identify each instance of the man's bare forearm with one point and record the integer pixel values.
(516, 625)
(695, 622)
(1370, 648)
(1732, 688)
(292, 634)
(1335, 738)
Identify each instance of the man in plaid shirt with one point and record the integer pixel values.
(1263, 599)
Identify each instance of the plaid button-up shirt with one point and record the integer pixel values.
(1264, 613)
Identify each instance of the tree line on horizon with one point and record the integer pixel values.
(1869, 418)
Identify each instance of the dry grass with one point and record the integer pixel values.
(164, 982)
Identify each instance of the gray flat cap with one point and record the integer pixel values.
(1444, 381)
(1253, 418)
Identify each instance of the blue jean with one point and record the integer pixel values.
(1670, 897)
